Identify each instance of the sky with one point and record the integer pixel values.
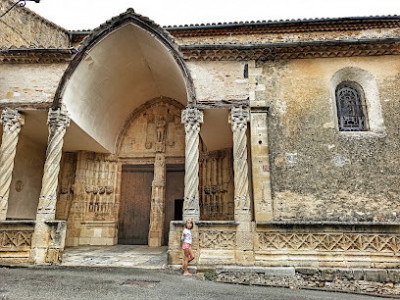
(88, 14)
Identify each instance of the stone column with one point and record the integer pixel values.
(157, 213)
(58, 121)
(12, 123)
(244, 254)
(238, 119)
(192, 118)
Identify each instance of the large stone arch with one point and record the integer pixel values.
(120, 66)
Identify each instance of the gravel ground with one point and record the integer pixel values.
(124, 283)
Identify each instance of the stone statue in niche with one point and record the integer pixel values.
(160, 123)
(160, 129)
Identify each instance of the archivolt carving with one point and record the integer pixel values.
(218, 239)
(330, 242)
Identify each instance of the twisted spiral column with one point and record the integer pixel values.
(192, 118)
(238, 119)
(58, 121)
(12, 123)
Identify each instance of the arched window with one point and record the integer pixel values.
(351, 108)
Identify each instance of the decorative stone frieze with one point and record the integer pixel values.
(192, 118)
(12, 123)
(330, 241)
(58, 121)
(238, 119)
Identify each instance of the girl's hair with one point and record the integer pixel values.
(191, 222)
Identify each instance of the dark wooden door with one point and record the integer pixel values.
(134, 213)
(174, 194)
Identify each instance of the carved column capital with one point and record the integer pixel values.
(58, 118)
(192, 118)
(11, 119)
(238, 118)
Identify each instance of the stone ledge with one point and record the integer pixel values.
(341, 223)
(206, 223)
(366, 281)
(268, 271)
(13, 222)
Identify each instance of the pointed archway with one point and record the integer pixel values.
(119, 66)
(122, 66)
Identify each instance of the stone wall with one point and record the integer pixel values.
(27, 179)
(222, 80)
(29, 84)
(317, 172)
(22, 27)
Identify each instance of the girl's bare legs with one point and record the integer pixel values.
(191, 255)
(186, 261)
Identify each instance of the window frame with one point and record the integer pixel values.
(361, 107)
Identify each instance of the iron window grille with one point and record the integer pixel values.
(351, 108)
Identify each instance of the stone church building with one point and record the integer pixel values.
(280, 139)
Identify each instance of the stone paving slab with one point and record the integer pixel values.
(131, 256)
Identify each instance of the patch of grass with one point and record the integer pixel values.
(210, 276)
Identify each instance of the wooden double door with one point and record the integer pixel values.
(135, 202)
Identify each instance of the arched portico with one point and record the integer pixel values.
(127, 74)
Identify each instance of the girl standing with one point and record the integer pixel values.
(187, 246)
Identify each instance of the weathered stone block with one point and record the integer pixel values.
(376, 275)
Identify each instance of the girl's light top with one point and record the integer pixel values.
(187, 236)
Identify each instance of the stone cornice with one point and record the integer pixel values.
(300, 50)
(273, 27)
(285, 26)
(231, 52)
(25, 55)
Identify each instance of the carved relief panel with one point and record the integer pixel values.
(156, 127)
(216, 185)
(65, 187)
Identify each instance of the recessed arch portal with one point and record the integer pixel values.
(120, 66)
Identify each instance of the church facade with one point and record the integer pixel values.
(279, 139)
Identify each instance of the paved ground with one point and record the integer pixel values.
(116, 256)
(126, 283)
